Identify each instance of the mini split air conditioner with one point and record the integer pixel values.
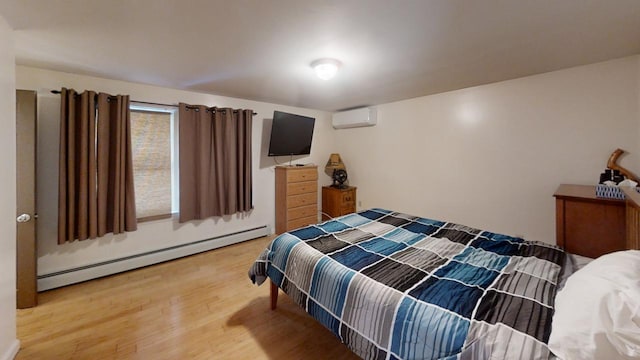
(355, 118)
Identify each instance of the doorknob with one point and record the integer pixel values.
(23, 218)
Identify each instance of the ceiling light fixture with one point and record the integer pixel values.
(325, 68)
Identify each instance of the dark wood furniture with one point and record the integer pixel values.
(337, 202)
(633, 218)
(588, 225)
(296, 197)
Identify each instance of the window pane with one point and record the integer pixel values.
(151, 142)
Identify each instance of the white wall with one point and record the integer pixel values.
(638, 106)
(492, 156)
(9, 345)
(162, 233)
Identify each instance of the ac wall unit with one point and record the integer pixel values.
(355, 118)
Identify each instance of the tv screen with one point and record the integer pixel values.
(290, 134)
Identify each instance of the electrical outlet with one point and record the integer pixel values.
(359, 203)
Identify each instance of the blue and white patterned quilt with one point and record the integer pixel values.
(396, 286)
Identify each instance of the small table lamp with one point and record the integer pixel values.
(336, 169)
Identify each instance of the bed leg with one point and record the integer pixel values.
(274, 295)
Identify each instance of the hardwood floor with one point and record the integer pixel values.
(200, 307)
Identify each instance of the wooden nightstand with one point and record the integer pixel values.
(337, 202)
(586, 224)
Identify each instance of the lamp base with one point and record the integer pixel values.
(339, 185)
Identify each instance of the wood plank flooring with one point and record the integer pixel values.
(200, 307)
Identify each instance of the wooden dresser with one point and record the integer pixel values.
(588, 225)
(296, 197)
(337, 202)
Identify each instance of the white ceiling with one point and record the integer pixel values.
(261, 50)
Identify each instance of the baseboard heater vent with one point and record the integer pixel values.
(110, 267)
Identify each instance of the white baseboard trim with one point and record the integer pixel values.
(105, 268)
(12, 351)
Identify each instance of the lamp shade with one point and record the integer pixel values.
(334, 163)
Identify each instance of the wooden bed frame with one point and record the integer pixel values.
(274, 295)
(632, 232)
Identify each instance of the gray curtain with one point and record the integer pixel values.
(95, 190)
(215, 161)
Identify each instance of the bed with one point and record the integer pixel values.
(396, 286)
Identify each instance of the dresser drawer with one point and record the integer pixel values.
(297, 223)
(347, 210)
(310, 174)
(349, 197)
(302, 200)
(302, 187)
(301, 212)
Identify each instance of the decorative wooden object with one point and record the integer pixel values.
(611, 164)
(337, 202)
(587, 225)
(296, 197)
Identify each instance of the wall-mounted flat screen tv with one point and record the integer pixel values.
(290, 134)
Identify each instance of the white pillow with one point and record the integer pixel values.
(597, 313)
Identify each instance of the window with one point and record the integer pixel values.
(153, 130)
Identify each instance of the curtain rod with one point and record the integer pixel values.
(153, 103)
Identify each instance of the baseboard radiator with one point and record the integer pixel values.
(110, 267)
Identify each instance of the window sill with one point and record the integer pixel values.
(156, 217)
